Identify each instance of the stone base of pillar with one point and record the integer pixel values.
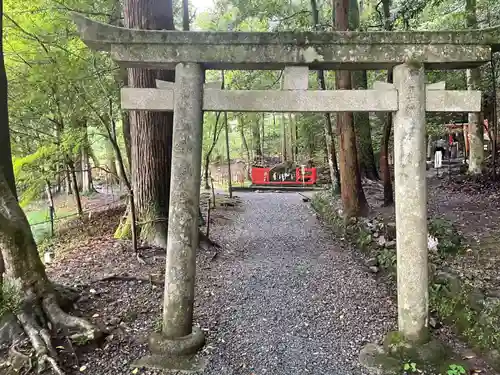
(182, 346)
(431, 355)
(183, 364)
(177, 354)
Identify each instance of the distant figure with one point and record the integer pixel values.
(441, 146)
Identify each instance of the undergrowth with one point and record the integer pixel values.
(473, 316)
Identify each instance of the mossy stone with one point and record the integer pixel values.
(396, 345)
(476, 300)
(493, 358)
(433, 352)
(374, 358)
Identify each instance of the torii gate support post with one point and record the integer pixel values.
(178, 336)
(411, 202)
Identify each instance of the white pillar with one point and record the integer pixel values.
(411, 202)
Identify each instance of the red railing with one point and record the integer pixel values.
(262, 176)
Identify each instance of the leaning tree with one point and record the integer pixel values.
(28, 299)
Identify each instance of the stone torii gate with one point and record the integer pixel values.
(190, 53)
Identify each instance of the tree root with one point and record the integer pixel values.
(40, 339)
(37, 317)
(82, 328)
(114, 277)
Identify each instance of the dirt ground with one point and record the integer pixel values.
(123, 296)
(473, 205)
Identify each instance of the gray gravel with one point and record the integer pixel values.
(285, 296)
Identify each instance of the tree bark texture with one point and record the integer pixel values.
(385, 170)
(353, 197)
(257, 145)
(85, 162)
(367, 165)
(74, 182)
(244, 142)
(21, 266)
(215, 137)
(386, 135)
(5, 150)
(476, 131)
(330, 149)
(150, 132)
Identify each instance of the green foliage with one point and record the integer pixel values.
(455, 370)
(410, 367)
(387, 259)
(450, 241)
(480, 327)
(11, 296)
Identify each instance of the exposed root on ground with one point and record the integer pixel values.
(41, 319)
(114, 277)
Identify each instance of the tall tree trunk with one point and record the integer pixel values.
(366, 157)
(386, 134)
(331, 151)
(263, 133)
(228, 158)
(126, 126)
(367, 165)
(283, 132)
(385, 170)
(244, 142)
(78, 172)
(476, 131)
(151, 132)
(5, 151)
(111, 163)
(67, 181)
(58, 178)
(20, 262)
(215, 137)
(74, 182)
(85, 159)
(294, 149)
(257, 146)
(353, 197)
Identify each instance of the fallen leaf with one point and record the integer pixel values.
(83, 368)
(135, 371)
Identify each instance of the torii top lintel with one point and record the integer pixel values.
(264, 50)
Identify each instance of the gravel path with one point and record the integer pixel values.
(288, 298)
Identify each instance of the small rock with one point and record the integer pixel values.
(390, 230)
(450, 280)
(476, 300)
(493, 358)
(48, 257)
(368, 357)
(390, 244)
(374, 269)
(372, 262)
(432, 269)
(373, 358)
(381, 241)
(434, 322)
